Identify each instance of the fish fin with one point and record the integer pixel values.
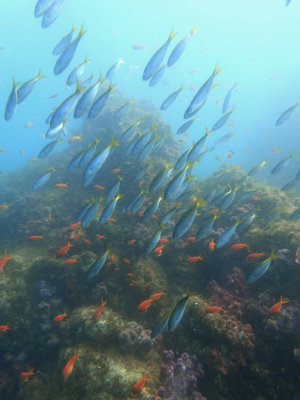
(109, 249)
(207, 132)
(217, 69)
(81, 32)
(120, 61)
(110, 86)
(132, 101)
(182, 88)
(120, 177)
(101, 198)
(172, 35)
(79, 88)
(298, 102)
(162, 226)
(194, 30)
(86, 60)
(73, 28)
(233, 109)
(96, 140)
(39, 75)
(196, 119)
(52, 169)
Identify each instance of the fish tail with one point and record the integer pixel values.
(298, 102)
(39, 75)
(81, 32)
(217, 69)
(86, 60)
(52, 169)
(207, 132)
(172, 35)
(73, 28)
(194, 30)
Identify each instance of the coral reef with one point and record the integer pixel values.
(134, 337)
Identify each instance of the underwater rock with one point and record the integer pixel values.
(134, 337)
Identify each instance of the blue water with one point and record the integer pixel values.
(251, 40)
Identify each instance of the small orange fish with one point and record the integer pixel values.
(192, 260)
(140, 184)
(238, 246)
(115, 269)
(211, 245)
(154, 216)
(255, 198)
(229, 154)
(277, 307)
(22, 152)
(24, 376)
(138, 387)
(100, 236)
(158, 250)
(2, 150)
(147, 199)
(218, 158)
(246, 148)
(140, 212)
(255, 255)
(99, 187)
(115, 171)
(157, 296)
(86, 241)
(131, 242)
(32, 159)
(182, 140)
(74, 236)
(235, 167)
(138, 46)
(112, 258)
(28, 124)
(63, 250)
(126, 261)
(35, 237)
(61, 185)
(145, 305)
(98, 311)
(3, 206)
(213, 309)
(73, 138)
(179, 212)
(110, 220)
(2, 172)
(163, 240)
(129, 274)
(191, 239)
(231, 124)
(87, 127)
(186, 134)
(69, 366)
(215, 210)
(49, 216)
(70, 261)
(3, 261)
(3, 328)
(133, 282)
(59, 318)
(231, 132)
(140, 277)
(184, 244)
(275, 150)
(73, 226)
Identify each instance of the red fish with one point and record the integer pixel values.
(73, 226)
(3, 206)
(110, 220)
(211, 245)
(24, 376)
(63, 250)
(59, 318)
(61, 185)
(129, 274)
(140, 212)
(157, 296)
(74, 236)
(145, 305)
(3, 261)
(277, 307)
(126, 261)
(35, 237)
(138, 387)
(163, 240)
(218, 158)
(238, 246)
(192, 260)
(184, 244)
(86, 241)
(255, 255)
(69, 366)
(191, 239)
(115, 171)
(255, 198)
(213, 309)
(3, 328)
(98, 311)
(70, 261)
(99, 187)
(158, 250)
(131, 242)
(100, 236)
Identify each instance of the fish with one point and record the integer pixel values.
(297, 259)
(77, 72)
(74, 163)
(290, 185)
(151, 210)
(227, 235)
(192, 260)
(171, 98)
(229, 199)
(4, 328)
(159, 178)
(138, 387)
(88, 154)
(59, 318)
(275, 150)
(98, 264)
(90, 212)
(24, 376)
(225, 138)
(12, 102)
(64, 42)
(218, 159)
(74, 236)
(211, 245)
(86, 100)
(227, 98)
(99, 310)
(145, 305)
(178, 311)
(168, 215)
(113, 69)
(238, 246)
(156, 60)
(186, 220)
(202, 95)
(255, 255)
(61, 252)
(43, 179)
(131, 242)
(138, 46)
(139, 202)
(70, 261)
(176, 182)
(3, 206)
(121, 111)
(282, 164)
(156, 77)
(183, 128)
(180, 47)
(141, 173)
(49, 148)
(142, 141)
(113, 190)
(41, 7)
(198, 146)
(277, 307)
(260, 269)
(73, 138)
(3, 261)
(286, 115)
(52, 13)
(256, 168)
(295, 215)
(160, 326)
(128, 133)
(35, 237)
(67, 55)
(154, 240)
(108, 211)
(70, 365)
(213, 309)
(100, 103)
(158, 250)
(222, 121)
(27, 87)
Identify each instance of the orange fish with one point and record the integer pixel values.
(69, 366)
(115, 171)
(145, 305)
(246, 148)
(218, 158)
(87, 127)
(74, 236)
(61, 185)
(28, 124)
(3, 261)
(59, 318)
(229, 154)
(98, 311)
(238, 246)
(129, 274)
(231, 132)
(186, 134)
(231, 124)
(184, 244)
(99, 187)
(191, 239)
(213, 309)
(126, 261)
(2, 172)
(138, 46)
(157, 296)
(255, 198)
(255, 255)
(86, 241)
(32, 159)
(131, 242)
(70, 261)
(3, 328)
(24, 376)
(110, 220)
(138, 387)
(49, 216)
(163, 240)
(100, 236)
(140, 184)
(179, 212)
(211, 245)
(182, 140)
(73, 227)
(275, 150)
(73, 138)
(112, 258)
(277, 307)
(3, 206)
(158, 250)
(140, 212)
(236, 166)
(2, 151)
(147, 199)
(35, 237)
(22, 152)
(215, 210)
(192, 260)
(63, 250)
(115, 269)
